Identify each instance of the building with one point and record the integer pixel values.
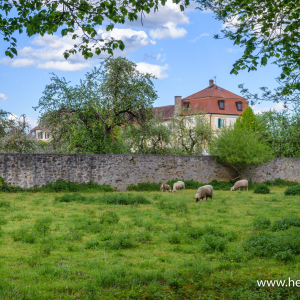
(40, 134)
(220, 106)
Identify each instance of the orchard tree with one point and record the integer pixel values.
(151, 137)
(191, 132)
(112, 96)
(239, 148)
(78, 18)
(248, 120)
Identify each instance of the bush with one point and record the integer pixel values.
(144, 186)
(280, 182)
(220, 185)
(214, 243)
(121, 242)
(59, 185)
(262, 189)
(293, 190)
(285, 223)
(261, 223)
(265, 244)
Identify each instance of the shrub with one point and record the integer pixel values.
(265, 244)
(293, 190)
(285, 223)
(109, 217)
(144, 186)
(92, 245)
(280, 182)
(220, 185)
(262, 189)
(261, 223)
(120, 242)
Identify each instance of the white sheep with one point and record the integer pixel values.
(178, 186)
(240, 184)
(165, 187)
(204, 192)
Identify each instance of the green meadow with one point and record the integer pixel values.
(148, 245)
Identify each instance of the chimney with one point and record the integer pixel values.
(211, 82)
(177, 109)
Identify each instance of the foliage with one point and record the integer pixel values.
(293, 190)
(80, 20)
(267, 30)
(87, 117)
(150, 137)
(15, 136)
(261, 223)
(109, 217)
(192, 132)
(239, 149)
(262, 189)
(248, 120)
(144, 186)
(123, 199)
(280, 182)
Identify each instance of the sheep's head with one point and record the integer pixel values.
(174, 191)
(232, 189)
(197, 197)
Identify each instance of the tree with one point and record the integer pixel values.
(267, 29)
(15, 137)
(191, 132)
(239, 148)
(85, 116)
(151, 137)
(248, 120)
(78, 18)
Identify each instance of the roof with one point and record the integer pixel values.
(166, 111)
(214, 91)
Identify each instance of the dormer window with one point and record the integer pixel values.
(239, 106)
(221, 104)
(186, 105)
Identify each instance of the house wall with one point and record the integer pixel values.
(27, 170)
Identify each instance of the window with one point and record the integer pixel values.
(221, 123)
(186, 105)
(41, 135)
(221, 104)
(239, 106)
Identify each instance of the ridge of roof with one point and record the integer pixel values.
(214, 91)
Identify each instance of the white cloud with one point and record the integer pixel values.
(277, 107)
(3, 97)
(47, 51)
(169, 30)
(198, 37)
(156, 70)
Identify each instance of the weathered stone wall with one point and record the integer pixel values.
(27, 170)
(284, 168)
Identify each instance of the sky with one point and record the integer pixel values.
(177, 47)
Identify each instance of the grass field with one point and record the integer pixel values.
(81, 247)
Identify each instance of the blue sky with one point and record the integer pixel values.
(177, 47)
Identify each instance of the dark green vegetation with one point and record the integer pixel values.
(158, 246)
(293, 190)
(262, 189)
(59, 186)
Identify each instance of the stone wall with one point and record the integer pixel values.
(27, 170)
(284, 168)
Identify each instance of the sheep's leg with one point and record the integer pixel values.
(239, 189)
(247, 188)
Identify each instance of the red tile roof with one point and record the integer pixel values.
(214, 91)
(206, 101)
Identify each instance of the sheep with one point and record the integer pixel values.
(239, 184)
(178, 186)
(204, 192)
(165, 187)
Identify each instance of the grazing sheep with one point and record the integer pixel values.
(240, 184)
(178, 186)
(165, 187)
(204, 192)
